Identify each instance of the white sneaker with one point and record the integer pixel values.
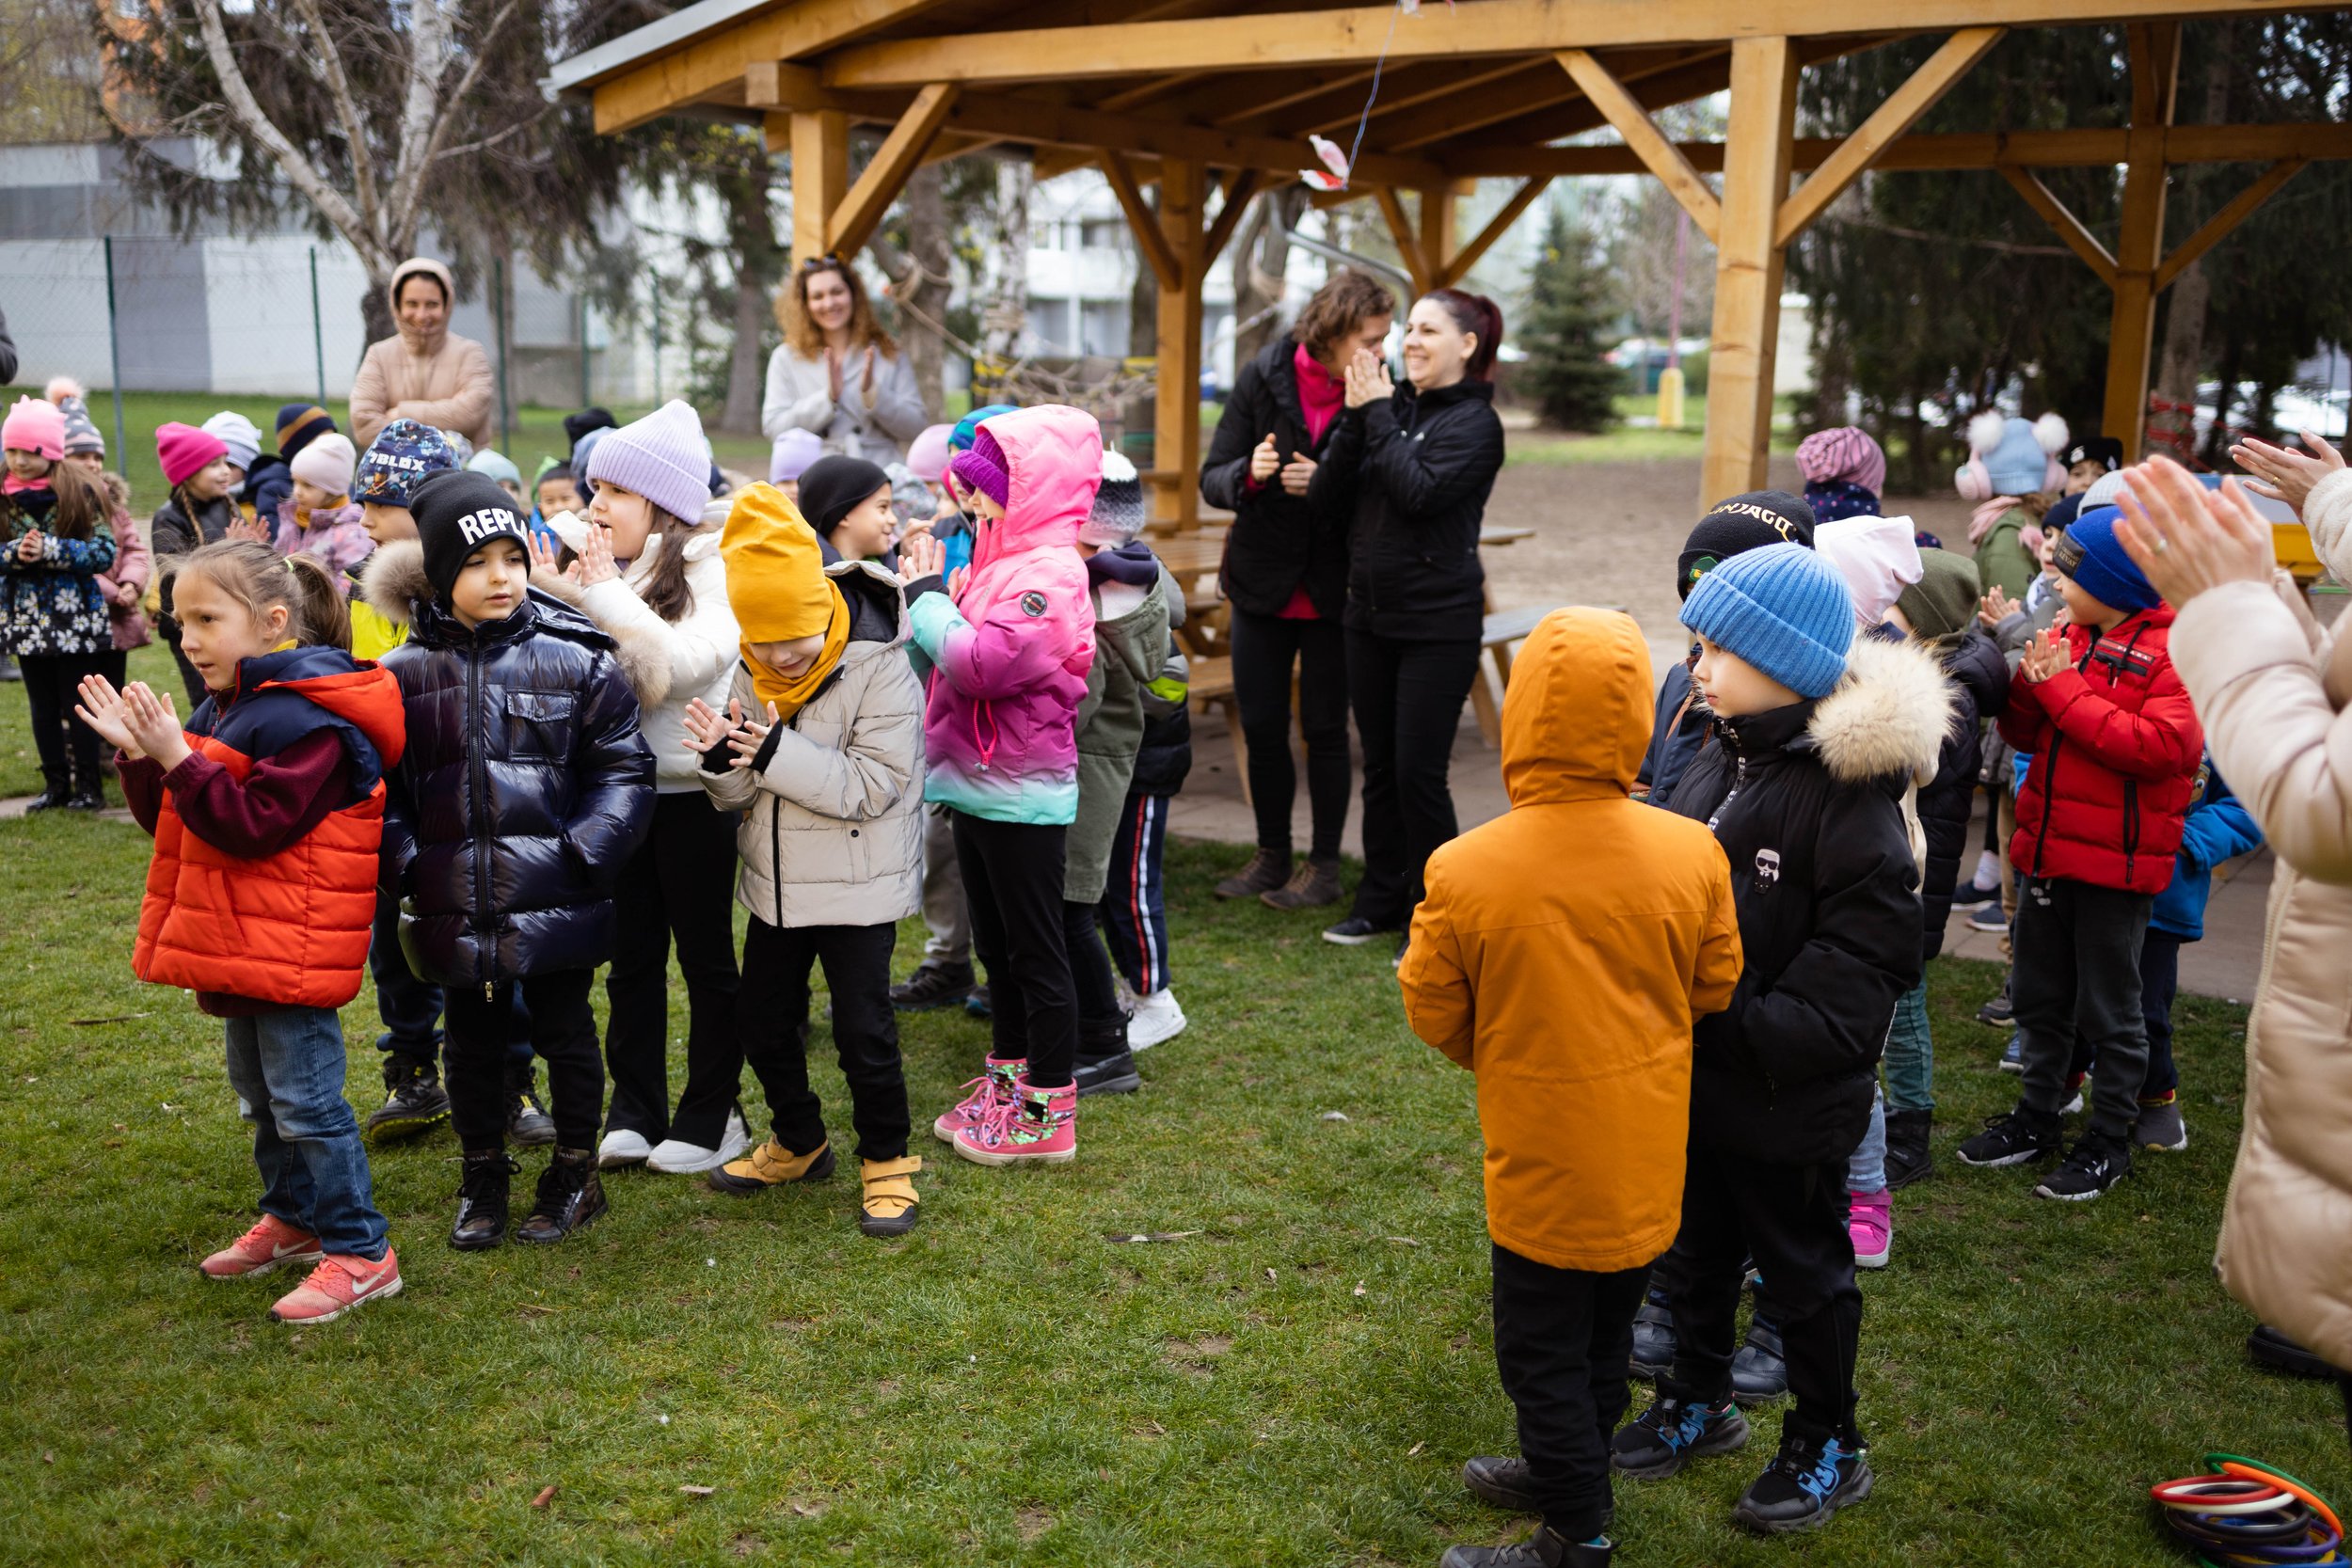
(621, 1148)
(1157, 1018)
(2074, 1106)
(672, 1157)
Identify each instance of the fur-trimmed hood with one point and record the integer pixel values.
(644, 659)
(1887, 718)
(394, 584)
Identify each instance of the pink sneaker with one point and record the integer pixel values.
(271, 1244)
(340, 1283)
(1871, 1222)
(986, 1095)
(1036, 1124)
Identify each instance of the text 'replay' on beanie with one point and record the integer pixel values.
(185, 451)
(37, 426)
(1783, 609)
(1117, 514)
(661, 457)
(982, 468)
(1739, 524)
(834, 486)
(776, 583)
(2089, 553)
(458, 512)
(398, 460)
(327, 462)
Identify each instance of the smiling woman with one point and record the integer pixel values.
(838, 373)
(426, 372)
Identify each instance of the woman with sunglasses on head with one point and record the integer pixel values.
(837, 374)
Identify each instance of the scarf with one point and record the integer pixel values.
(1981, 521)
(790, 696)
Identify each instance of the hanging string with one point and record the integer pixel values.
(1341, 166)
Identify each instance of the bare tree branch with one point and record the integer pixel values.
(465, 86)
(355, 129)
(462, 148)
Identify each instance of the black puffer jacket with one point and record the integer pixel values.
(1278, 539)
(1980, 680)
(1806, 803)
(524, 787)
(1418, 469)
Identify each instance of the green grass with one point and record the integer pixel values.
(1625, 443)
(1295, 1384)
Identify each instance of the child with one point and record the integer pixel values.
(198, 511)
(298, 425)
(847, 500)
(501, 468)
(794, 453)
(1817, 735)
(57, 541)
(1585, 1129)
(403, 455)
(822, 741)
(268, 811)
(1844, 470)
(557, 493)
(2090, 460)
(508, 819)
(318, 517)
(2114, 748)
(123, 584)
(1135, 902)
(2012, 474)
(2217, 828)
(651, 578)
(1008, 642)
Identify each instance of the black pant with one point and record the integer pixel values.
(1564, 1344)
(1264, 648)
(1092, 986)
(2159, 983)
(68, 748)
(680, 880)
(1408, 698)
(563, 1031)
(2075, 982)
(771, 1021)
(411, 1008)
(1791, 1219)
(1012, 877)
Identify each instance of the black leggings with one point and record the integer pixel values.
(1091, 978)
(1265, 647)
(1408, 698)
(1012, 877)
(68, 748)
(680, 880)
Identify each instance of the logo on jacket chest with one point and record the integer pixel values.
(1767, 869)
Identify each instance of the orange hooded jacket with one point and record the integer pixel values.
(1563, 953)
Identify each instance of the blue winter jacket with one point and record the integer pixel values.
(2218, 827)
(1678, 732)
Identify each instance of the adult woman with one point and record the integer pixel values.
(1420, 460)
(425, 373)
(1285, 577)
(2273, 690)
(838, 373)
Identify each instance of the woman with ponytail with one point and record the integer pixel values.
(1424, 458)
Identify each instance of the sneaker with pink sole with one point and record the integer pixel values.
(984, 1096)
(338, 1285)
(1871, 1222)
(271, 1244)
(1038, 1126)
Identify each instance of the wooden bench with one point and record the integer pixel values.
(1212, 686)
(1503, 628)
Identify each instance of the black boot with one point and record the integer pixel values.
(414, 1099)
(527, 1124)
(481, 1201)
(1106, 1066)
(1546, 1548)
(1908, 1157)
(570, 1195)
(1653, 1338)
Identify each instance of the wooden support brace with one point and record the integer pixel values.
(1457, 267)
(1150, 238)
(1661, 156)
(1749, 267)
(820, 175)
(1887, 122)
(2240, 208)
(861, 211)
(1407, 242)
(2070, 228)
(1238, 191)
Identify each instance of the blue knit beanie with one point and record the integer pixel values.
(2088, 552)
(397, 460)
(1783, 609)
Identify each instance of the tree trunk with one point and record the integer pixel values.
(2191, 295)
(929, 281)
(376, 311)
(751, 235)
(1260, 257)
(745, 373)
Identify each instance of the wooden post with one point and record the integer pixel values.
(1436, 232)
(821, 177)
(1748, 264)
(2140, 245)
(1176, 428)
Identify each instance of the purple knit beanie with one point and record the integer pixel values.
(661, 457)
(982, 467)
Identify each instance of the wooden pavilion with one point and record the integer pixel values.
(1214, 99)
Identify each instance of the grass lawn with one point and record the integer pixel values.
(1296, 1381)
(1625, 443)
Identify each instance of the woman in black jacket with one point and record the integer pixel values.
(1285, 577)
(1418, 462)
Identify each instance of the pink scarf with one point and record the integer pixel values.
(1987, 514)
(16, 486)
(1320, 393)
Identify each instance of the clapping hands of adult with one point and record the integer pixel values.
(1368, 380)
(2282, 473)
(1265, 461)
(2187, 538)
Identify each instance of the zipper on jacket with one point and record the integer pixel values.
(477, 806)
(1739, 777)
(2131, 827)
(776, 854)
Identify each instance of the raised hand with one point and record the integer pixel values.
(706, 726)
(154, 723)
(956, 580)
(1264, 459)
(101, 708)
(1368, 380)
(596, 558)
(1997, 606)
(2045, 655)
(749, 736)
(2187, 538)
(919, 556)
(833, 371)
(2284, 474)
(546, 556)
(249, 529)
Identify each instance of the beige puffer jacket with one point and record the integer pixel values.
(2273, 692)
(833, 834)
(437, 378)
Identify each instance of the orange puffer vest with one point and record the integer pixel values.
(290, 928)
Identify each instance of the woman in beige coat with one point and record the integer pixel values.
(2273, 690)
(426, 372)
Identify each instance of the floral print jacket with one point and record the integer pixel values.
(51, 604)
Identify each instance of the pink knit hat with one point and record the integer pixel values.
(1844, 452)
(982, 467)
(927, 454)
(33, 425)
(182, 449)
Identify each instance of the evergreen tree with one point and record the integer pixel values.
(1568, 313)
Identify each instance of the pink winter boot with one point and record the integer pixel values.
(1871, 1222)
(984, 1097)
(1039, 1125)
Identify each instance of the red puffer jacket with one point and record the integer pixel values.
(2115, 747)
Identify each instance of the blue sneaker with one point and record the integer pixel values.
(2014, 1056)
(1988, 918)
(975, 1001)
(1806, 1482)
(1669, 1434)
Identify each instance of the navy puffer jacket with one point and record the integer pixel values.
(524, 788)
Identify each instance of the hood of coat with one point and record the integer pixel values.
(1576, 719)
(1053, 459)
(875, 598)
(642, 658)
(1887, 719)
(422, 344)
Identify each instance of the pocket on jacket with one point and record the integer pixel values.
(539, 725)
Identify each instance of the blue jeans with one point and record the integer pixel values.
(1866, 1171)
(1910, 1057)
(287, 1068)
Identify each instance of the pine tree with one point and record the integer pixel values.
(1571, 384)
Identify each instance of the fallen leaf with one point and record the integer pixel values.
(547, 1495)
(1414, 1450)
(698, 1491)
(1404, 1241)
(48, 1456)
(1134, 1236)
(807, 1511)
(1335, 1116)
(1360, 1287)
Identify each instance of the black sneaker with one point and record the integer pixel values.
(415, 1103)
(2017, 1138)
(1759, 1371)
(933, 986)
(1908, 1157)
(1806, 1482)
(2094, 1163)
(2273, 1350)
(1111, 1074)
(977, 1005)
(1355, 931)
(481, 1201)
(1546, 1548)
(1997, 1012)
(1974, 894)
(1504, 1483)
(1669, 1434)
(570, 1195)
(1653, 1338)
(527, 1124)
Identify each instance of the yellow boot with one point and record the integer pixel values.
(771, 1164)
(889, 1206)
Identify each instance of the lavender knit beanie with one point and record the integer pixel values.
(661, 457)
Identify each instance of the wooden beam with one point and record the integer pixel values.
(1408, 242)
(1649, 143)
(1748, 267)
(1238, 191)
(2067, 226)
(653, 87)
(1176, 414)
(2240, 208)
(1437, 207)
(1886, 124)
(885, 174)
(820, 175)
(1066, 125)
(1457, 267)
(1543, 86)
(2139, 245)
(1151, 239)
